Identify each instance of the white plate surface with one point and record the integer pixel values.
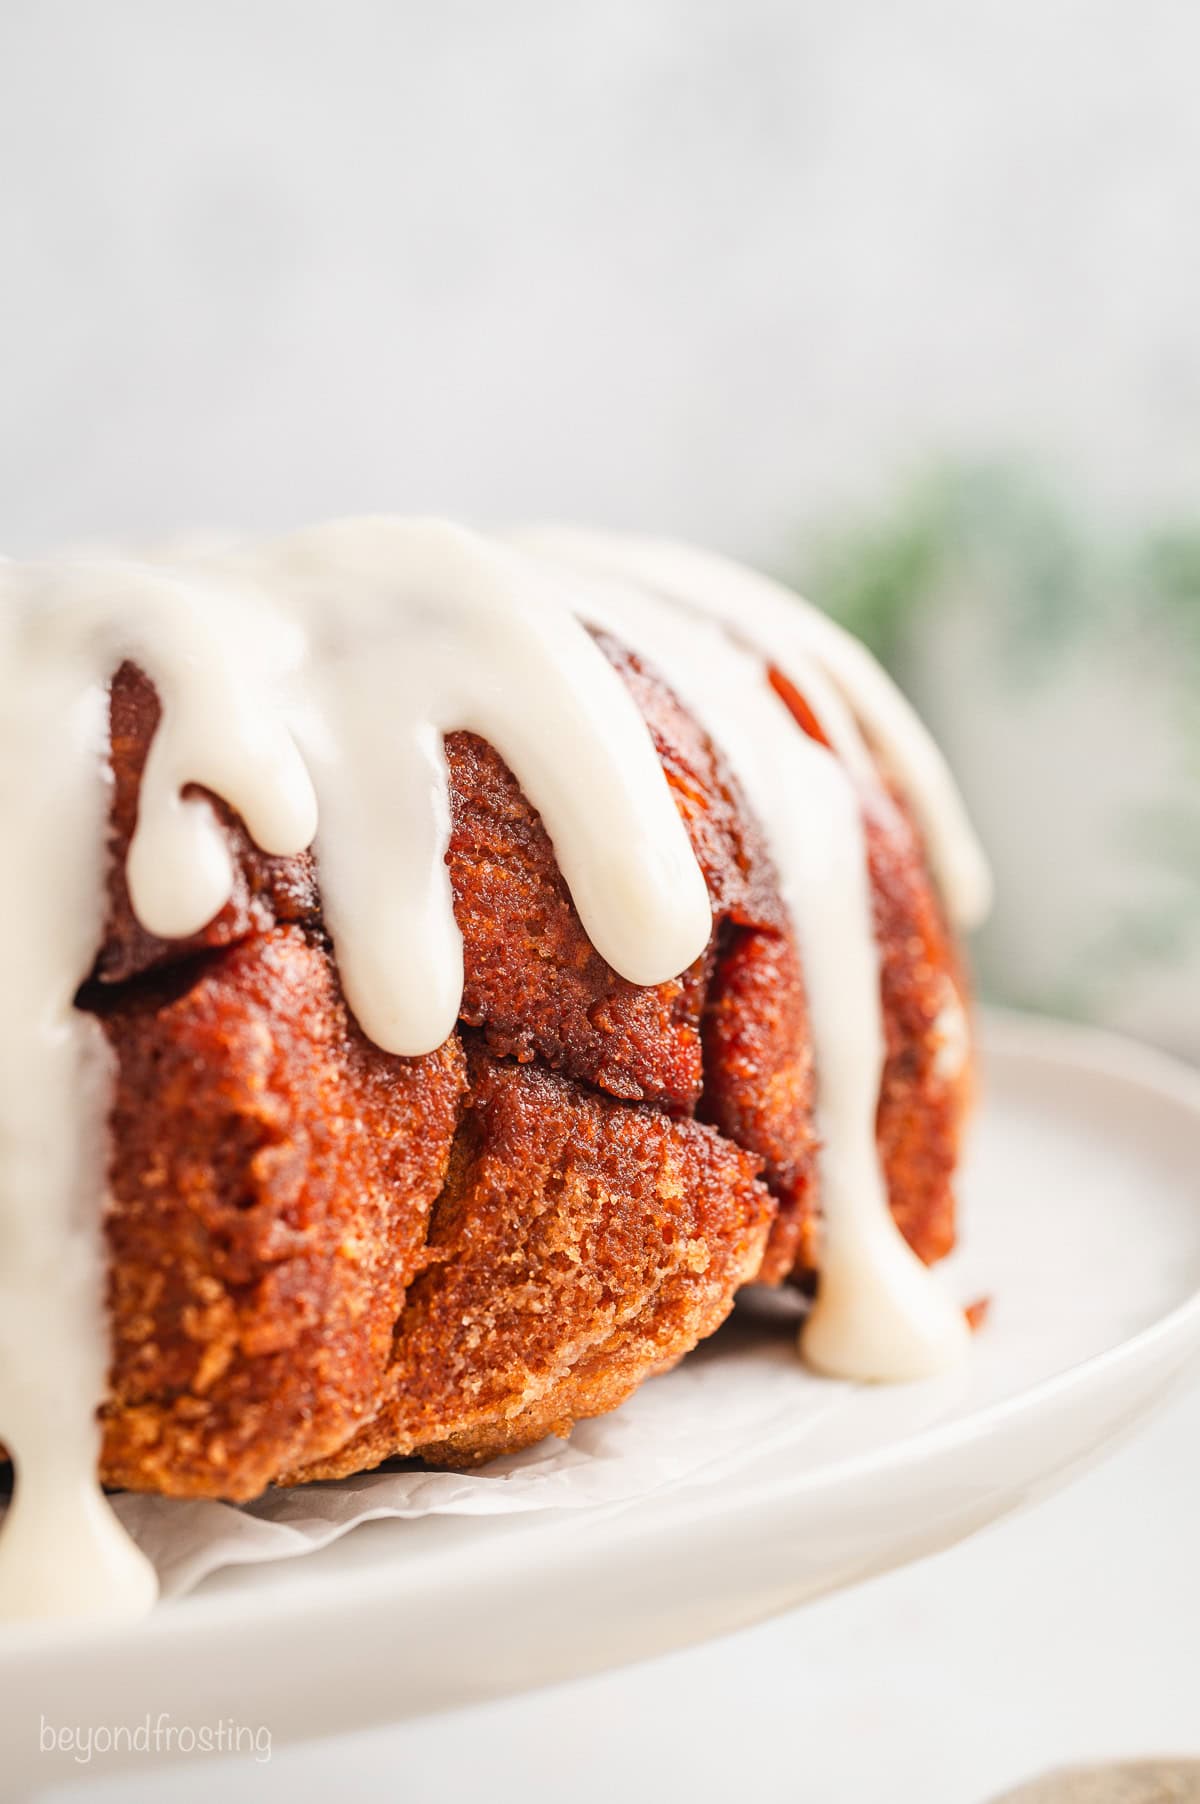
(1082, 1220)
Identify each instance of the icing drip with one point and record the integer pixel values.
(481, 642)
(879, 1314)
(845, 686)
(362, 644)
(309, 683)
(62, 1550)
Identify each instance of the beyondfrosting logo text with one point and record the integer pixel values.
(155, 1735)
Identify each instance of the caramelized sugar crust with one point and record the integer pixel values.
(322, 1255)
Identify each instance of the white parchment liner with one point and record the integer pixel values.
(738, 1396)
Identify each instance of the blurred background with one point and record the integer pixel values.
(898, 301)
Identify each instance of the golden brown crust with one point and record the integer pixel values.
(533, 982)
(760, 1085)
(285, 1303)
(579, 1244)
(267, 892)
(272, 1178)
(925, 1094)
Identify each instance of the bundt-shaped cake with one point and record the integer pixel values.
(470, 963)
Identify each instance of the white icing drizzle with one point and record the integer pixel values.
(62, 1551)
(309, 683)
(842, 683)
(309, 686)
(363, 643)
(879, 1314)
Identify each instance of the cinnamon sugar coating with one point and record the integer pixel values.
(323, 1255)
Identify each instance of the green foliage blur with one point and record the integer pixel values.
(1056, 593)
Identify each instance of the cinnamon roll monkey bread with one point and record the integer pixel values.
(441, 971)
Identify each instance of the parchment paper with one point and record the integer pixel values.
(737, 1395)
